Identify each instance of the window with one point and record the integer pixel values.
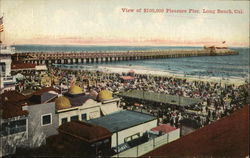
(64, 120)
(2, 67)
(46, 119)
(106, 141)
(13, 127)
(132, 137)
(135, 136)
(74, 118)
(4, 129)
(84, 116)
(98, 143)
(21, 123)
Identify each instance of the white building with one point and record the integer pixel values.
(7, 82)
(126, 125)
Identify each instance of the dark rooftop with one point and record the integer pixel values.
(84, 131)
(161, 98)
(11, 103)
(43, 95)
(78, 99)
(121, 120)
(227, 137)
(45, 89)
(12, 96)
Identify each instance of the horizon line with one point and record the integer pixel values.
(95, 45)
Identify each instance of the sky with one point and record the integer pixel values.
(95, 22)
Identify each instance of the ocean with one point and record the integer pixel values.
(234, 66)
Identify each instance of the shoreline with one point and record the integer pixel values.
(145, 71)
(235, 81)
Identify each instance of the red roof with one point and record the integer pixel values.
(164, 128)
(227, 137)
(137, 104)
(11, 110)
(127, 77)
(16, 66)
(11, 103)
(12, 96)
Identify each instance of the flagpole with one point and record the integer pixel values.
(2, 35)
(1, 29)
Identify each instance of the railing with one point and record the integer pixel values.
(150, 145)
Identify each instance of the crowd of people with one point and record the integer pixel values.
(218, 99)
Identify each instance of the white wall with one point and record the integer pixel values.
(131, 131)
(7, 62)
(89, 107)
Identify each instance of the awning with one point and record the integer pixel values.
(163, 128)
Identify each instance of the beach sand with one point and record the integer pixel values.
(142, 70)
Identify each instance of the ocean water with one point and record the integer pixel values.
(234, 66)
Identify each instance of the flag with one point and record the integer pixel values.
(1, 24)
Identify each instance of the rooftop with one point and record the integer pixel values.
(43, 95)
(161, 98)
(11, 103)
(122, 120)
(18, 65)
(84, 131)
(227, 137)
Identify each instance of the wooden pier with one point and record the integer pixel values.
(109, 56)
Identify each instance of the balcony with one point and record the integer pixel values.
(7, 50)
(9, 131)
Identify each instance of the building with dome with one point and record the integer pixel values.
(75, 90)
(62, 103)
(76, 105)
(109, 104)
(104, 95)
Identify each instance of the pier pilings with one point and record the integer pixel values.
(98, 57)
